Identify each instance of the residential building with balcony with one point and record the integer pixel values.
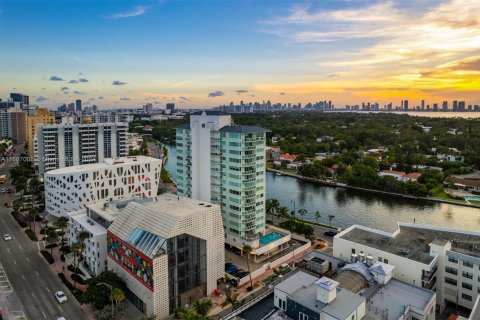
(225, 164)
(444, 260)
(60, 146)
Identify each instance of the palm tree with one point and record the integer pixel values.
(330, 218)
(282, 213)
(52, 237)
(317, 217)
(77, 248)
(61, 223)
(81, 237)
(203, 307)
(231, 298)
(117, 295)
(247, 250)
(302, 212)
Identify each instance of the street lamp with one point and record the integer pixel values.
(293, 212)
(111, 293)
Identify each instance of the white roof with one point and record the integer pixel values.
(166, 216)
(106, 164)
(381, 268)
(295, 282)
(327, 283)
(88, 224)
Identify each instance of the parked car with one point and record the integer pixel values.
(2, 190)
(61, 297)
(7, 237)
(330, 233)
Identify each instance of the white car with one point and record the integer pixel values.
(3, 190)
(61, 297)
(7, 237)
(60, 318)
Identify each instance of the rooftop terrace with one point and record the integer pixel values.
(412, 241)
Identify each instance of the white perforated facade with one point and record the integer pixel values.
(70, 189)
(168, 219)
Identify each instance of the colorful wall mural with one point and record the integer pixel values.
(132, 260)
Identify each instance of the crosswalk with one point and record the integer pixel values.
(5, 286)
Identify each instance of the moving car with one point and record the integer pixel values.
(330, 233)
(7, 237)
(61, 297)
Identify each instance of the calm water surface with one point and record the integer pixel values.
(355, 207)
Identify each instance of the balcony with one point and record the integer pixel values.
(427, 276)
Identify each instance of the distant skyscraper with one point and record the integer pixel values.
(171, 107)
(455, 105)
(405, 105)
(445, 106)
(71, 107)
(20, 97)
(78, 105)
(148, 108)
(423, 105)
(461, 106)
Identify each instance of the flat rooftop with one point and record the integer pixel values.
(412, 241)
(89, 224)
(306, 294)
(394, 297)
(106, 164)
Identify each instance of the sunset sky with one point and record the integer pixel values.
(201, 54)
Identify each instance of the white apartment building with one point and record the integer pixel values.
(225, 164)
(95, 219)
(444, 260)
(170, 252)
(70, 189)
(60, 146)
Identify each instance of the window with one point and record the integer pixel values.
(466, 297)
(467, 264)
(302, 316)
(451, 270)
(353, 317)
(385, 261)
(452, 259)
(466, 286)
(353, 251)
(467, 275)
(380, 259)
(450, 281)
(413, 318)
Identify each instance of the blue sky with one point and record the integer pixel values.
(181, 51)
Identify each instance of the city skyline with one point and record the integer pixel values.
(206, 54)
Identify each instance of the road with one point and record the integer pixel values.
(31, 277)
(157, 151)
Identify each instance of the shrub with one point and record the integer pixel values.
(46, 230)
(31, 235)
(62, 258)
(75, 270)
(52, 245)
(77, 278)
(65, 249)
(47, 256)
(76, 292)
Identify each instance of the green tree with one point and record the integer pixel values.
(331, 217)
(100, 295)
(61, 223)
(203, 307)
(282, 213)
(117, 295)
(52, 238)
(302, 212)
(77, 249)
(231, 298)
(81, 237)
(247, 250)
(317, 217)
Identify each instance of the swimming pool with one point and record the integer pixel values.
(270, 238)
(475, 198)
